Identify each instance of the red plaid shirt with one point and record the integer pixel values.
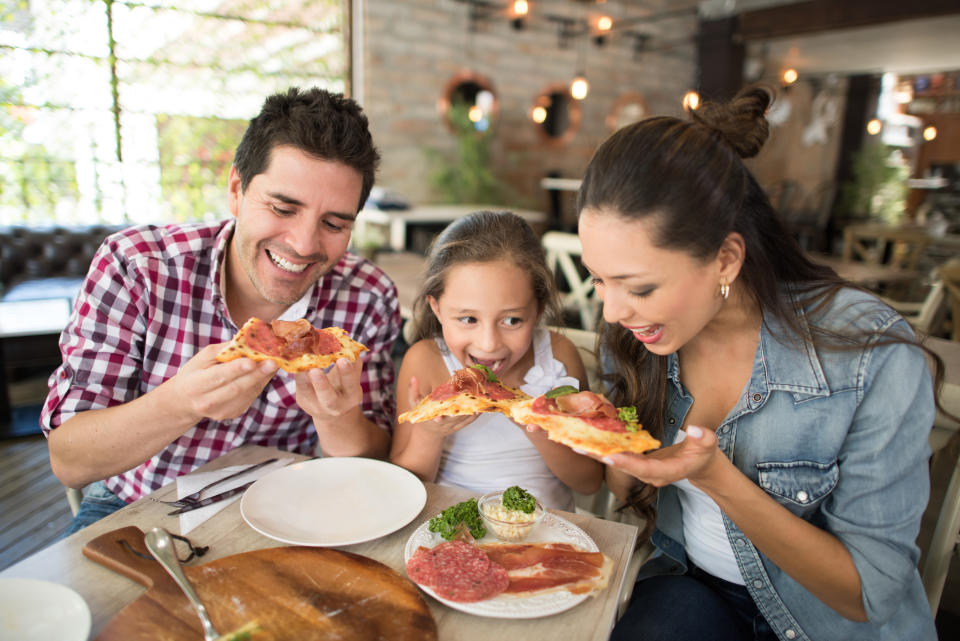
(151, 301)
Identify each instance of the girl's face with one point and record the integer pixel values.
(665, 297)
(488, 312)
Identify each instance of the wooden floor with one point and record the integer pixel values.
(33, 503)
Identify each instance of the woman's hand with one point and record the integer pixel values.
(693, 459)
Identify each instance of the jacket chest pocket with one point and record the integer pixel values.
(798, 485)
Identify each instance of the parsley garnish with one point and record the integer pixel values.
(447, 523)
(518, 499)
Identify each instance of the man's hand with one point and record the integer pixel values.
(332, 394)
(218, 391)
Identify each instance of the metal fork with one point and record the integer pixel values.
(190, 499)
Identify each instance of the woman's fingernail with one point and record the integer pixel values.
(694, 431)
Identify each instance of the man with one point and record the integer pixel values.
(140, 398)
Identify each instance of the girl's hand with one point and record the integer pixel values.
(692, 459)
(441, 426)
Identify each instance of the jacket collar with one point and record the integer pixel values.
(782, 361)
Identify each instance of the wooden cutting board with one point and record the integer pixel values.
(301, 593)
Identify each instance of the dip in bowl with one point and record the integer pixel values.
(507, 525)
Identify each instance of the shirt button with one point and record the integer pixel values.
(741, 542)
(724, 429)
(757, 397)
(758, 583)
(802, 496)
(671, 420)
(790, 634)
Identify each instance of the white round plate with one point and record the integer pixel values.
(333, 501)
(552, 529)
(34, 610)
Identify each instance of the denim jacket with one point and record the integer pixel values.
(839, 438)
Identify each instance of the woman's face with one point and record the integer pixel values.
(664, 297)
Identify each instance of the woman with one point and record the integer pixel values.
(794, 409)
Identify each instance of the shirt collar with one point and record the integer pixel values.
(316, 297)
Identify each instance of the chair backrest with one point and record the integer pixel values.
(578, 294)
(880, 244)
(586, 343)
(950, 273)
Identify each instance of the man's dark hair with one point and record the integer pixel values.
(323, 124)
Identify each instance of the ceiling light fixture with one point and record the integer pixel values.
(789, 76)
(520, 10)
(929, 133)
(691, 100)
(579, 88)
(874, 127)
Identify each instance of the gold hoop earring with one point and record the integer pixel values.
(724, 289)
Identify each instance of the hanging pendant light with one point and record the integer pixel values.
(579, 88)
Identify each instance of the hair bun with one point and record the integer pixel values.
(741, 121)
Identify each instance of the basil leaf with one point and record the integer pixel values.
(491, 377)
(563, 390)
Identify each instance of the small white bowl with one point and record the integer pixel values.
(516, 527)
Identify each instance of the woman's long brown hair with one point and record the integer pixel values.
(689, 180)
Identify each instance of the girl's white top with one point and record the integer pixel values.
(704, 535)
(493, 452)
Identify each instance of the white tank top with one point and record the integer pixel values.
(704, 535)
(493, 452)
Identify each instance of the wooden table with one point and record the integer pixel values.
(399, 219)
(106, 592)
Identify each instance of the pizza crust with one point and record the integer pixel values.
(463, 404)
(238, 348)
(579, 434)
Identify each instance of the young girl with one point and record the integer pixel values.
(485, 290)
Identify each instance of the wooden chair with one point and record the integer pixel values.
(926, 316)
(950, 273)
(944, 544)
(578, 295)
(900, 247)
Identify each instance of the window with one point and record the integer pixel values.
(121, 111)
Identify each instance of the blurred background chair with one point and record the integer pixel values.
(577, 294)
(950, 273)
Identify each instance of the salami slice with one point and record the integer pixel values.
(458, 571)
(295, 346)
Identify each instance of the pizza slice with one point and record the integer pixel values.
(586, 421)
(295, 346)
(471, 390)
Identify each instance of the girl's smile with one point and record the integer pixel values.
(488, 313)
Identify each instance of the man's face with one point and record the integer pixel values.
(293, 224)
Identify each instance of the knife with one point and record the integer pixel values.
(210, 500)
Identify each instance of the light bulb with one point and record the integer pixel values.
(538, 115)
(475, 114)
(604, 23)
(790, 76)
(929, 133)
(874, 127)
(579, 88)
(520, 8)
(691, 100)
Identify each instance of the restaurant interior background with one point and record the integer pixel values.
(114, 112)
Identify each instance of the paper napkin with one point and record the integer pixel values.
(192, 482)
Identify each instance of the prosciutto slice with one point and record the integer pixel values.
(586, 405)
(470, 380)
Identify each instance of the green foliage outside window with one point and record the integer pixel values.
(195, 159)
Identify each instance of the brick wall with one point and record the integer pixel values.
(413, 47)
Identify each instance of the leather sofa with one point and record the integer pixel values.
(47, 262)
